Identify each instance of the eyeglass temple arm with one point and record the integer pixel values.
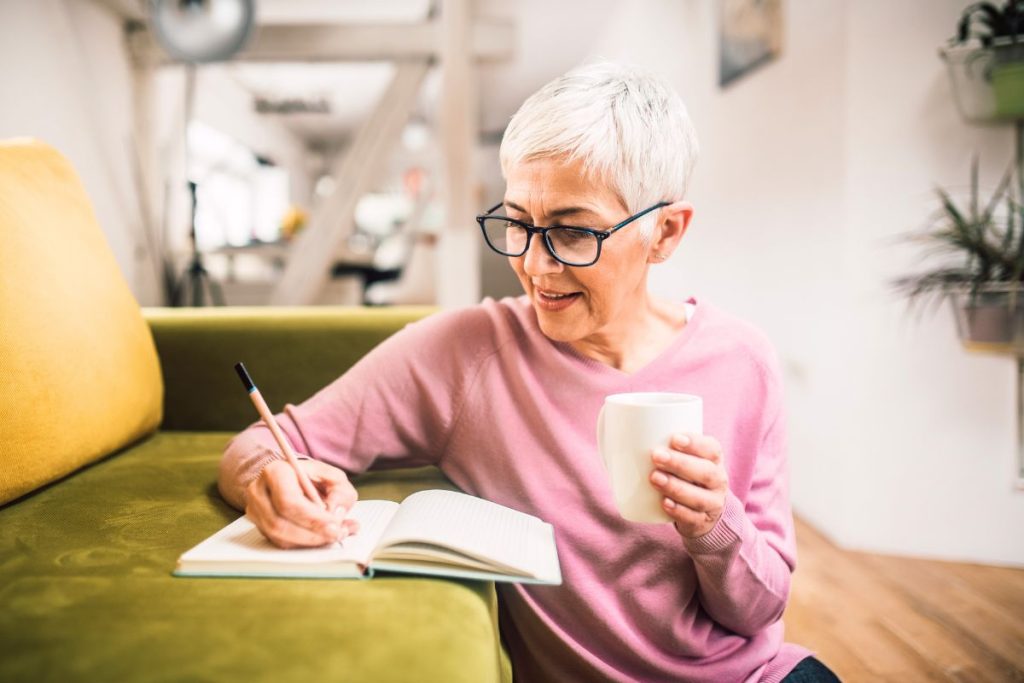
(492, 209)
(610, 231)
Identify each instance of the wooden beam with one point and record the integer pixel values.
(492, 39)
(458, 271)
(313, 253)
(145, 165)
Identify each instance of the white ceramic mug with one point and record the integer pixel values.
(629, 427)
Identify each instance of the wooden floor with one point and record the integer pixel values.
(880, 618)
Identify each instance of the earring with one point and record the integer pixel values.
(659, 256)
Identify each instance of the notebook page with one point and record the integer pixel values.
(430, 553)
(241, 541)
(478, 528)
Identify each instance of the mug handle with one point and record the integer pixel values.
(600, 436)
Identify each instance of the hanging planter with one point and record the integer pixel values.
(1008, 80)
(987, 82)
(985, 62)
(990, 317)
(986, 283)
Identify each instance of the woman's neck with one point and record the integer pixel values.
(636, 340)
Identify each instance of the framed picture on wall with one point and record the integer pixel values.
(750, 35)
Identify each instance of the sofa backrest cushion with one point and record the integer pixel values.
(79, 374)
(291, 352)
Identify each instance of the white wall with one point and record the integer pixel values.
(65, 79)
(900, 441)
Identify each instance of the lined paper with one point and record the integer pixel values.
(479, 528)
(242, 542)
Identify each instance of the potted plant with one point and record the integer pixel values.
(983, 274)
(986, 61)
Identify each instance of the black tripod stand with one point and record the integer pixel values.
(195, 32)
(195, 281)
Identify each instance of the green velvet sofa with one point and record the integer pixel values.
(112, 423)
(85, 563)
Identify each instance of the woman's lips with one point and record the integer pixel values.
(555, 301)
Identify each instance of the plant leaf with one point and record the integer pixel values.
(974, 188)
(1001, 189)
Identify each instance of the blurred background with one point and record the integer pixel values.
(341, 155)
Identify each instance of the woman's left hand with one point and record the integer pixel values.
(692, 479)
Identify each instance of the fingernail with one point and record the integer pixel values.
(659, 478)
(660, 455)
(339, 513)
(683, 439)
(333, 530)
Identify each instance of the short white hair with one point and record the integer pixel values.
(628, 127)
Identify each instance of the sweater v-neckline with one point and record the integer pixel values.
(606, 370)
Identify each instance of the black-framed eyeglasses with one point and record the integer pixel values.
(567, 244)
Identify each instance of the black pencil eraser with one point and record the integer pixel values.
(244, 376)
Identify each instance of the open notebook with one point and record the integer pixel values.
(440, 533)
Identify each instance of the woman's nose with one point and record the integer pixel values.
(538, 260)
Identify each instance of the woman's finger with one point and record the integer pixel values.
(289, 500)
(281, 531)
(334, 486)
(684, 493)
(688, 522)
(703, 446)
(690, 468)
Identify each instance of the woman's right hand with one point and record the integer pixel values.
(275, 503)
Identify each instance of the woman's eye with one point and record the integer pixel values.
(573, 235)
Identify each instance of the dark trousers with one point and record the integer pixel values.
(810, 670)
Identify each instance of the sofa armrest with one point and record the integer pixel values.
(291, 353)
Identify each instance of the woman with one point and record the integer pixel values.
(503, 397)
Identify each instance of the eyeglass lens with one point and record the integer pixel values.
(572, 246)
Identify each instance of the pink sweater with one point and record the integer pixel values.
(509, 415)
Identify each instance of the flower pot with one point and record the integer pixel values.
(1008, 80)
(988, 82)
(992, 319)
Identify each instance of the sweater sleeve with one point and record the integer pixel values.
(745, 562)
(393, 408)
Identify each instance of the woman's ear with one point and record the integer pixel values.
(673, 220)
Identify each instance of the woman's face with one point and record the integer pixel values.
(576, 304)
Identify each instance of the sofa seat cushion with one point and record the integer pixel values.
(80, 375)
(87, 591)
